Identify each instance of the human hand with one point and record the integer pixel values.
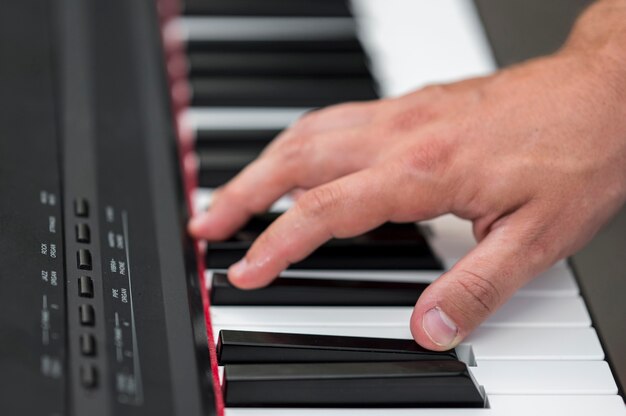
(534, 156)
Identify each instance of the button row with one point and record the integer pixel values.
(88, 373)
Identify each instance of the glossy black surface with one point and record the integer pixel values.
(279, 91)
(208, 139)
(286, 291)
(289, 64)
(381, 384)
(267, 7)
(346, 44)
(241, 347)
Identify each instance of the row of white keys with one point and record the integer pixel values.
(519, 312)
(504, 405)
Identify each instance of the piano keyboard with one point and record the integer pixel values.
(242, 71)
(106, 307)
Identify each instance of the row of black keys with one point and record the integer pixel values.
(298, 74)
(266, 369)
(314, 71)
(296, 370)
(285, 72)
(389, 247)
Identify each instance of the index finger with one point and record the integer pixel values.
(344, 208)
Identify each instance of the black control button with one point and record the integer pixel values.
(88, 376)
(85, 287)
(87, 344)
(81, 207)
(87, 315)
(83, 257)
(83, 233)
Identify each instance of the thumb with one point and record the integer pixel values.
(456, 303)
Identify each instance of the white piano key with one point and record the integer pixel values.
(556, 281)
(527, 311)
(551, 284)
(499, 405)
(486, 343)
(227, 28)
(548, 405)
(202, 198)
(451, 237)
(517, 312)
(371, 275)
(241, 118)
(535, 344)
(544, 377)
(414, 43)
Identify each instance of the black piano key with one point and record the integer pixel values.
(442, 383)
(389, 247)
(348, 44)
(402, 256)
(216, 177)
(288, 291)
(250, 347)
(218, 166)
(211, 138)
(220, 162)
(279, 92)
(309, 8)
(207, 64)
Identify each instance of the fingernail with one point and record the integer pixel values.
(237, 270)
(439, 327)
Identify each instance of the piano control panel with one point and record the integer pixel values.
(100, 307)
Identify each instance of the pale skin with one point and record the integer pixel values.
(534, 155)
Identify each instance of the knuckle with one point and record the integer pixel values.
(319, 201)
(409, 119)
(481, 296)
(295, 148)
(432, 156)
(542, 244)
